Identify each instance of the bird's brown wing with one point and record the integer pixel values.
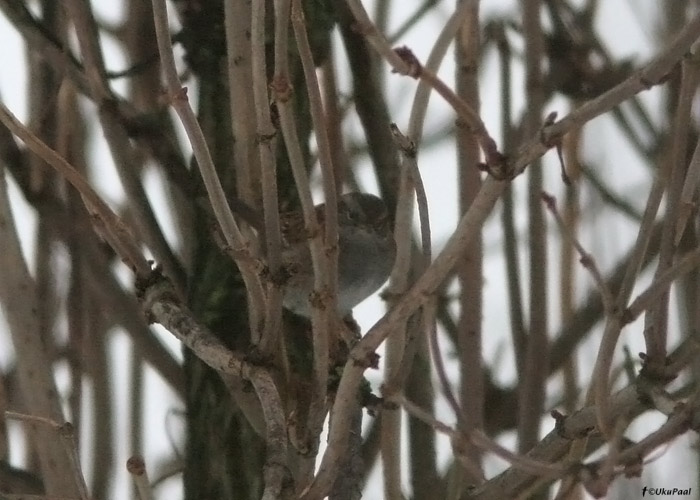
(293, 228)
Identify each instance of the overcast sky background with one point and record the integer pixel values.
(627, 26)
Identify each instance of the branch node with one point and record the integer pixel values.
(371, 360)
(406, 145)
(414, 68)
(560, 427)
(282, 91)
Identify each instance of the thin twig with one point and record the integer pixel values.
(689, 194)
(326, 283)
(613, 327)
(370, 104)
(326, 267)
(405, 63)
(282, 93)
(587, 259)
(234, 238)
(643, 302)
(484, 443)
(653, 73)
(267, 144)
(276, 474)
(673, 172)
(163, 306)
(532, 382)
(110, 226)
(470, 268)
(554, 446)
(118, 140)
(330, 281)
(650, 75)
(67, 435)
(661, 283)
(137, 468)
(510, 239)
(411, 20)
(237, 19)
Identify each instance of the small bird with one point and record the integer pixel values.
(366, 252)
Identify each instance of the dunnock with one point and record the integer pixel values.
(366, 252)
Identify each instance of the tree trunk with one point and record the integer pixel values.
(225, 455)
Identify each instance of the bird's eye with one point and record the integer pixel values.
(353, 215)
